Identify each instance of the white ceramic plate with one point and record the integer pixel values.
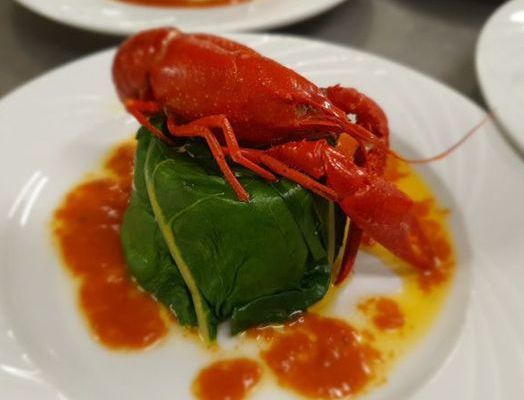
(111, 16)
(500, 67)
(58, 127)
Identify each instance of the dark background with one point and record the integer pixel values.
(436, 37)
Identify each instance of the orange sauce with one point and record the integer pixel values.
(385, 313)
(227, 380)
(315, 356)
(87, 229)
(262, 333)
(321, 357)
(184, 3)
(439, 242)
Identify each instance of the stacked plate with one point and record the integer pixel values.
(112, 16)
(500, 66)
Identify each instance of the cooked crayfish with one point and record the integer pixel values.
(271, 120)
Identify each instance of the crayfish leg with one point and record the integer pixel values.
(142, 110)
(203, 128)
(233, 149)
(194, 130)
(371, 117)
(369, 114)
(294, 175)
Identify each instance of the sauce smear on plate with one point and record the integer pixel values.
(227, 380)
(87, 229)
(322, 357)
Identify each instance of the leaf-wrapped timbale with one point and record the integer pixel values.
(211, 258)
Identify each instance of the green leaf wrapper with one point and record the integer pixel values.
(211, 258)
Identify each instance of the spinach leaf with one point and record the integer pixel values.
(251, 263)
(146, 253)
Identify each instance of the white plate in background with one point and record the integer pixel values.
(57, 128)
(112, 16)
(500, 67)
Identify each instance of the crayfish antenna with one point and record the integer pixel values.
(449, 150)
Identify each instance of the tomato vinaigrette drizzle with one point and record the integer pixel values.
(315, 356)
(184, 3)
(87, 231)
(229, 379)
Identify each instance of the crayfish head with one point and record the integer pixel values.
(322, 118)
(134, 60)
(307, 114)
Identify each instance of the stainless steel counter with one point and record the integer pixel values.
(436, 37)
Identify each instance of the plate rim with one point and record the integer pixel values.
(485, 85)
(242, 26)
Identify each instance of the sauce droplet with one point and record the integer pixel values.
(87, 229)
(385, 313)
(322, 357)
(227, 379)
